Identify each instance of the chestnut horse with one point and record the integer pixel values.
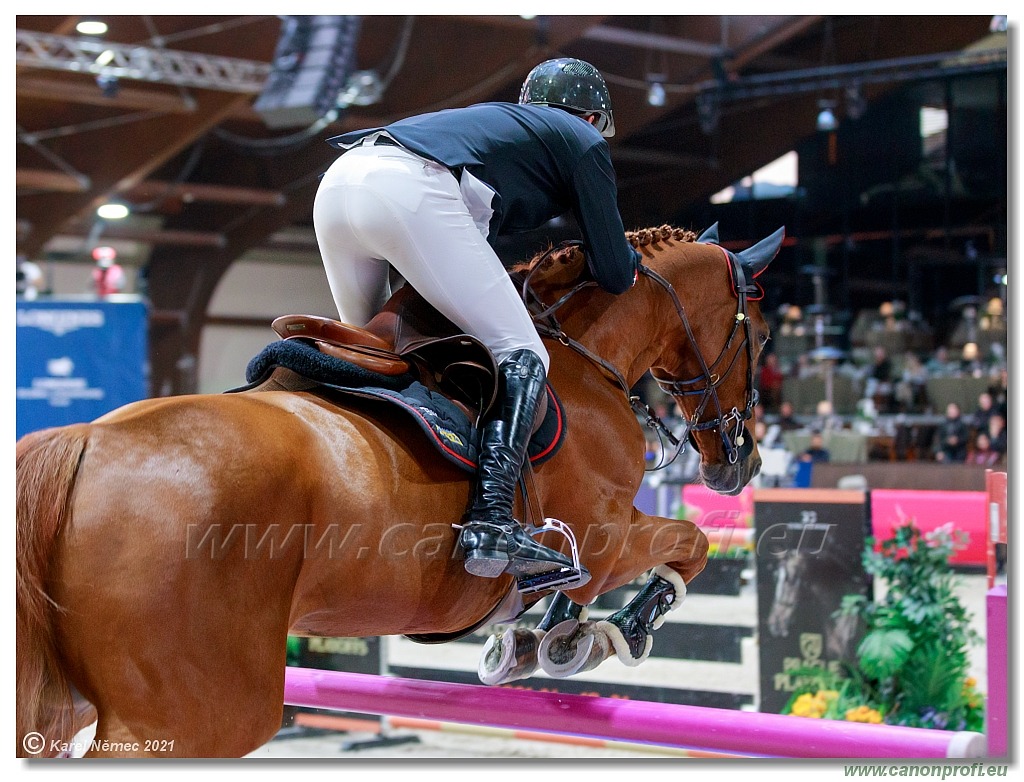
(166, 550)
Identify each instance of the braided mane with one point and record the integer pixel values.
(563, 265)
(570, 256)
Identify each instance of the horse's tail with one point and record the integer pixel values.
(46, 465)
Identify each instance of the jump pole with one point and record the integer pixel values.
(670, 725)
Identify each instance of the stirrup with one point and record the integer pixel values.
(562, 578)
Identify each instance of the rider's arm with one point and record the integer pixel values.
(613, 261)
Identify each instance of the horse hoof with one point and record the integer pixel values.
(569, 648)
(509, 657)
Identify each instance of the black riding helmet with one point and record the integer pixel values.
(572, 84)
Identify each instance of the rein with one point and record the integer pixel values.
(730, 425)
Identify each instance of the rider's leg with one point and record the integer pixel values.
(493, 542)
(397, 206)
(358, 279)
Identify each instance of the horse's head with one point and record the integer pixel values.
(716, 334)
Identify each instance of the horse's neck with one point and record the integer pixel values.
(627, 330)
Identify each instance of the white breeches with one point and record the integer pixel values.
(383, 204)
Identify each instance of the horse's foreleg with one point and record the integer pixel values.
(631, 628)
(677, 550)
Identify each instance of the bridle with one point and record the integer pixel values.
(729, 424)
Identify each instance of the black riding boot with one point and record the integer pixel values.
(493, 541)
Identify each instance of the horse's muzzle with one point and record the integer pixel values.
(730, 479)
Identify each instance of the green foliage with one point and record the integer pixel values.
(913, 660)
(883, 653)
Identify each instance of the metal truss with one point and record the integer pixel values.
(126, 61)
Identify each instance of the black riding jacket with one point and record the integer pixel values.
(540, 162)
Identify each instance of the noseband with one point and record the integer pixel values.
(730, 424)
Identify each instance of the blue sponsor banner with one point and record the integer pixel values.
(77, 360)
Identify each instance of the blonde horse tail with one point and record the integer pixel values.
(46, 465)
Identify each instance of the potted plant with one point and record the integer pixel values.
(912, 664)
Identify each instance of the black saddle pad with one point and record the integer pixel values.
(445, 425)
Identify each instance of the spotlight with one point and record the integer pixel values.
(827, 121)
(91, 27)
(656, 90)
(113, 211)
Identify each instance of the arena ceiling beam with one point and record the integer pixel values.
(115, 165)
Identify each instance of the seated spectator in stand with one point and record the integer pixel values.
(879, 380)
(939, 364)
(983, 453)
(985, 411)
(998, 390)
(786, 422)
(970, 361)
(768, 435)
(825, 419)
(770, 382)
(997, 434)
(910, 389)
(816, 451)
(952, 436)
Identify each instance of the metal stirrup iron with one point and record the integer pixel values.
(566, 577)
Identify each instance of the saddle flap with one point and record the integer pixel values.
(463, 367)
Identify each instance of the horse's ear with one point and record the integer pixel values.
(756, 259)
(710, 235)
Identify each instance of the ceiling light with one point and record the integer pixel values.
(91, 27)
(113, 211)
(827, 121)
(656, 91)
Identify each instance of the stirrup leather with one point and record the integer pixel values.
(562, 578)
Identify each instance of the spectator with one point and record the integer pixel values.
(30, 279)
(825, 417)
(985, 411)
(880, 377)
(997, 433)
(998, 391)
(970, 361)
(787, 422)
(939, 364)
(983, 454)
(768, 435)
(952, 436)
(816, 451)
(107, 275)
(911, 386)
(770, 382)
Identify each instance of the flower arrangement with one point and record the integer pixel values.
(912, 662)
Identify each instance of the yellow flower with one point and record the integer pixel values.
(808, 705)
(864, 713)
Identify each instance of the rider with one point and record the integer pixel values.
(426, 194)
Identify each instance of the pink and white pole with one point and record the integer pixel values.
(691, 727)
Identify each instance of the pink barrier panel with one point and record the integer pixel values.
(965, 510)
(691, 727)
(727, 521)
(996, 709)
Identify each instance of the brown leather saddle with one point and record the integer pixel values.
(407, 337)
